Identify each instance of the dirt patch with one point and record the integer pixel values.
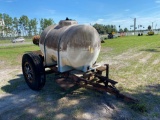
(22, 102)
(9, 73)
(122, 60)
(145, 58)
(155, 62)
(53, 102)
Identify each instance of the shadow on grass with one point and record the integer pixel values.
(149, 97)
(150, 50)
(18, 96)
(53, 102)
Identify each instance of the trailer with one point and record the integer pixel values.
(70, 51)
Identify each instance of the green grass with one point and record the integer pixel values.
(135, 64)
(11, 57)
(5, 41)
(123, 44)
(12, 54)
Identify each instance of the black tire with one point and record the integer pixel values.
(33, 71)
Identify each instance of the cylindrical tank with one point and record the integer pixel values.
(70, 45)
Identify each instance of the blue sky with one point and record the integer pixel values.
(116, 12)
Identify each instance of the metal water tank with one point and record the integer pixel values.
(70, 46)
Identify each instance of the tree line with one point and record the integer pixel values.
(104, 29)
(22, 26)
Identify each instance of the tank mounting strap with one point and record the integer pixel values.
(45, 44)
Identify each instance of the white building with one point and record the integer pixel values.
(2, 24)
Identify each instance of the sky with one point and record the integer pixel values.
(107, 12)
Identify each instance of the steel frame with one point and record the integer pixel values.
(94, 80)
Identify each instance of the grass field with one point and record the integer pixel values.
(12, 53)
(134, 63)
(5, 41)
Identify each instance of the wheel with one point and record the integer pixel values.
(33, 71)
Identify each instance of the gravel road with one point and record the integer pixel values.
(16, 44)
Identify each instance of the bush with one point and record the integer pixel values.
(150, 33)
(140, 34)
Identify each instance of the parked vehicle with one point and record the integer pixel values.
(110, 35)
(19, 39)
(151, 33)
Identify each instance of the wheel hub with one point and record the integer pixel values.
(28, 72)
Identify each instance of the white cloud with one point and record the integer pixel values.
(144, 17)
(157, 1)
(100, 21)
(119, 21)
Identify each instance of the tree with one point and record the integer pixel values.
(103, 29)
(32, 27)
(149, 27)
(0, 15)
(100, 28)
(120, 30)
(109, 29)
(125, 30)
(8, 23)
(15, 24)
(45, 23)
(24, 24)
(1, 28)
(114, 28)
(8, 20)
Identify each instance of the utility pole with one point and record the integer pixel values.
(152, 24)
(155, 26)
(134, 26)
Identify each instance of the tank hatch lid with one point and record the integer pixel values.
(67, 22)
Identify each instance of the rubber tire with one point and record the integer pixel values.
(35, 64)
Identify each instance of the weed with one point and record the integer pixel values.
(139, 107)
